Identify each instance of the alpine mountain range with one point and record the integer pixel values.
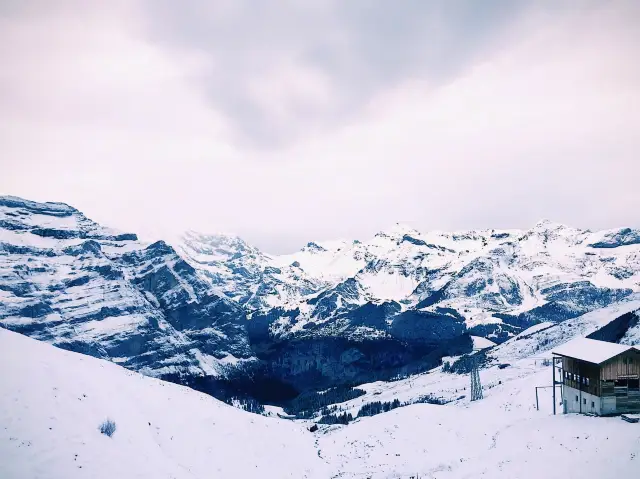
(216, 313)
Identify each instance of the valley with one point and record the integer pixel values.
(53, 401)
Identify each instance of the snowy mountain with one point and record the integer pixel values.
(52, 401)
(218, 314)
(245, 274)
(83, 287)
(498, 282)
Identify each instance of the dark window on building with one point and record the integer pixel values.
(634, 384)
(577, 398)
(593, 404)
(584, 401)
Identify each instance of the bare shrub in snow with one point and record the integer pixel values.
(108, 427)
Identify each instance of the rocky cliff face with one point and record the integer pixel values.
(215, 311)
(69, 281)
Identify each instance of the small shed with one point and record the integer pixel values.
(599, 378)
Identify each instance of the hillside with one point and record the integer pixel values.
(525, 354)
(502, 436)
(52, 401)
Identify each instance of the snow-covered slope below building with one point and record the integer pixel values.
(504, 435)
(501, 436)
(52, 402)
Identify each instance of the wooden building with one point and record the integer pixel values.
(599, 377)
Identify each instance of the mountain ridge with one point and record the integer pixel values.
(500, 271)
(212, 310)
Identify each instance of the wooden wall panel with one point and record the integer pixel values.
(625, 365)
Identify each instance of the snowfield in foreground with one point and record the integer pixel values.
(52, 401)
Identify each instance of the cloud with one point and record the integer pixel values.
(316, 120)
(347, 51)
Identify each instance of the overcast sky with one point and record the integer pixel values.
(289, 121)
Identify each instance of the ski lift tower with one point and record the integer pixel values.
(476, 386)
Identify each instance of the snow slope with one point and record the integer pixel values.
(501, 436)
(52, 401)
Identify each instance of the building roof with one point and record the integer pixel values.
(591, 350)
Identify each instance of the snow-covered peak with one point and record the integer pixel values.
(217, 246)
(614, 238)
(547, 224)
(313, 247)
(399, 230)
(48, 208)
(474, 272)
(66, 279)
(49, 224)
(394, 236)
(548, 227)
(244, 273)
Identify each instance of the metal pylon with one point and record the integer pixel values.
(476, 387)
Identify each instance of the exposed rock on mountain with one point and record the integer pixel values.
(215, 311)
(69, 281)
(498, 282)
